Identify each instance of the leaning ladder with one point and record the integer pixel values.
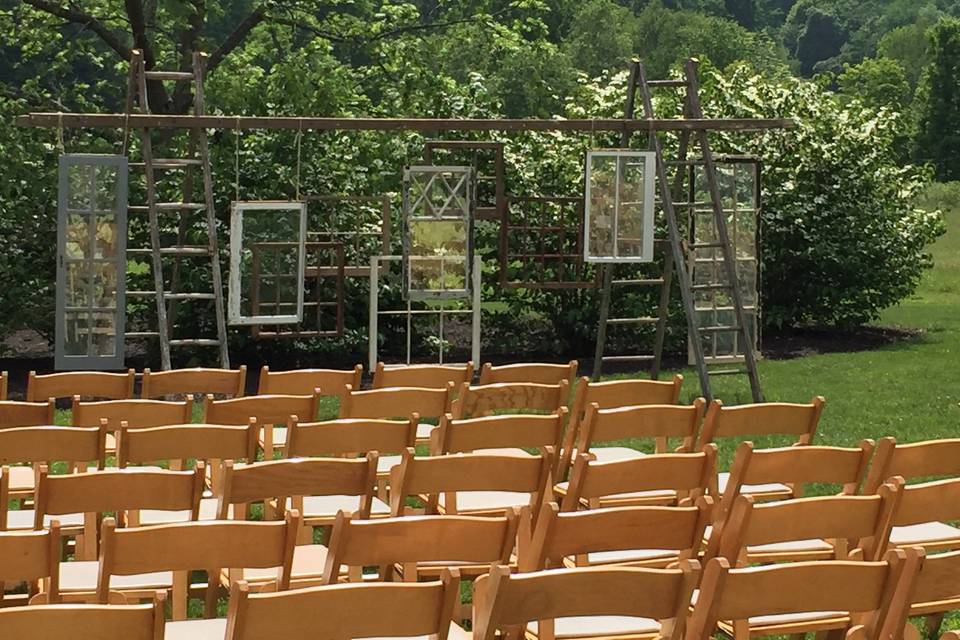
(675, 256)
(199, 157)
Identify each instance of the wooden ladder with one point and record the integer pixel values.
(675, 257)
(167, 299)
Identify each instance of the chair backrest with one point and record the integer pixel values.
(86, 384)
(504, 601)
(51, 444)
(466, 472)
(914, 460)
(411, 540)
(188, 441)
(135, 413)
(560, 534)
(929, 502)
(937, 582)
(516, 397)
(423, 609)
(396, 402)
(26, 414)
(498, 432)
(227, 382)
(267, 409)
(656, 422)
(244, 484)
(423, 376)
(689, 475)
(536, 372)
(116, 490)
(302, 382)
(796, 467)
(32, 556)
(768, 418)
(864, 520)
(85, 621)
(864, 589)
(349, 436)
(197, 545)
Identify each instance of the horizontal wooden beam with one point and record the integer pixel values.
(139, 121)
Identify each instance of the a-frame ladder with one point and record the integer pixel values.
(168, 297)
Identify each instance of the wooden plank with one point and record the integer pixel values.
(155, 121)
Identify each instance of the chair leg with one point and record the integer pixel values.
(305, 535)
(180, 592)
(212, 594)
(932, 623)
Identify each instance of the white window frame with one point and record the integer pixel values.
(237, 210)
(649, 185)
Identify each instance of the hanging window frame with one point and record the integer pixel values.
(63, 358)
(458, 207)
(647, 214)
(235, 315)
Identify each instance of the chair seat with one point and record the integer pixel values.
(769, 488)
(328, 506)
(792, 546)
(487, 500)
(629, 555)
(424, 430)
(208, 511)
(81, 575)
(385, 463)
(607, 454)
(23, 519)
(212, 629)
(593, 626)
(658, 496)
(279, 437)
(923, 534)
(308, 562)
(22, 479)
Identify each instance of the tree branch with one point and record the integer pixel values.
(138, 27)
(238, 35)
(437, 25)
(79, 17)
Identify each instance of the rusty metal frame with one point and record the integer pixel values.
(562, 262)
(483, 210)
(316, 272)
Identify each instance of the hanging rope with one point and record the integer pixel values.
(60, 146)
(299, 139)
(126, 132)
(593, 143)
(236, 161)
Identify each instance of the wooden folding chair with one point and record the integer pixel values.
(803, 597)
(4, 385)
(471, 483)
(584, 602)
(611, 395)
(650, 536)
(129, 414)
(417, 547)
(422, 610)
(26, 414)
(115, 491)
(214, 547)
(32, 447)
(86, 384)
(917, 460)
(318, 488)
(510, 397)
(762, 473)
(662, 478)
(824, 528)
(764, 420)
(177, 445)
(270, 411)
(399, 402)
(936, 593)
(535, 372)
(512, 434)
(32, 557)
(924, 513)
(302, 382)
(351, 437)
(230, 383)
(423, 376)
(85, 622)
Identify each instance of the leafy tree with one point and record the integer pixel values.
(743, 11)
(908, 45)
(877, 83)
(820, 39)
(938, 139)
(602, 36)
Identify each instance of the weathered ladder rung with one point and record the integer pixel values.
(644, 358)
(168, 75)
(643, 320)
(196, 250)
(718, 328)
(195, 342)
(707, 245)
(141, 334)
(188, 296)
(169, 206)
(726, 372)
(667, 83)
(168, 163)
(141, 294)
(710, 287)
(695, 203)
(639, 283)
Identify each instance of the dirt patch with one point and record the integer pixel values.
(797, 343)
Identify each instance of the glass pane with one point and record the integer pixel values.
(437, 255)
(104, 284)
(103, 335)
(603, 199)
(76, 333)
(269, 261)
(78, 284)
(80, 184)
(77, 236)
(105, 192)
(106, 237)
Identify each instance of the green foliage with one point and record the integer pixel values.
(602, 36)
(938, 140)
(879, 83)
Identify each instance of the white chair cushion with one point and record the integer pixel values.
(666, 494)
(628, 555)
(208, 511)
(424, 430)
(924, 532)
(385, 463)
(212, 629)
(792, 545)
(279, 437)
(22, 478)
(328, 506)
(23, 519)
(804, 616)
(488, 500)
(588, 626)
(723, 478)
(607, 454)
(81, 575)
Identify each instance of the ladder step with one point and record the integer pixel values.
(707, 245)
(168, 75)
(195, 342)
(169, 206)
(644, 320)
(141, 294)
(628, 358)
(667, 83)
(726, 372)
(188, 296)
(192, 250)
(718, 328)
(168, 163)
(710, 287)
(638, 283)
(141, 334)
